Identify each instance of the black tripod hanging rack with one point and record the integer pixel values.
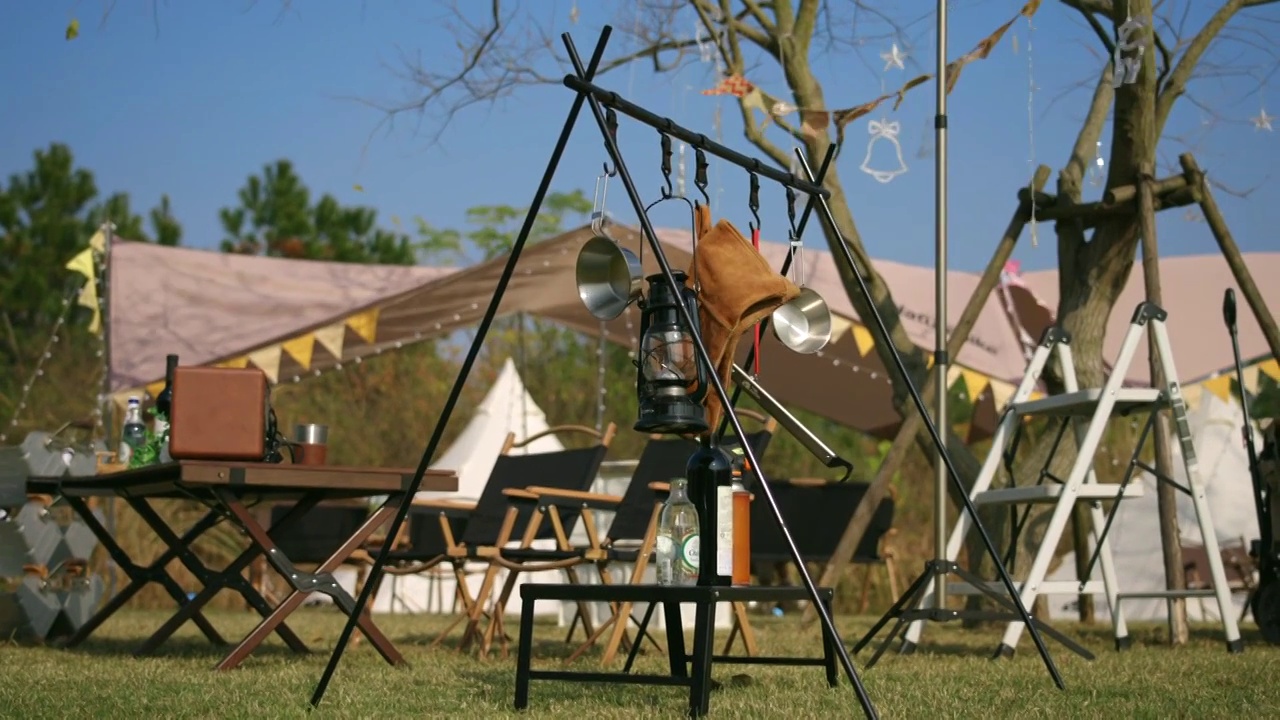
(598, 100)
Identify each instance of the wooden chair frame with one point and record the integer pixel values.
(458, 554)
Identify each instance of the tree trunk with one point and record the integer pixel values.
(1166, 497)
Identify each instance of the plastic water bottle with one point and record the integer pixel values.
(678, 541)
(134, 434)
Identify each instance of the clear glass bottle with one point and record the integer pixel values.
(678, 541)
(133, 434)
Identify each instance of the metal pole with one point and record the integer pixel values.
(371, 582)
(940, 359)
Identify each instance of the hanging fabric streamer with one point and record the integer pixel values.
(887, 131)
(1131, 45)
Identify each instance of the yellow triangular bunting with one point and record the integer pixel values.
(839, 326)
(1250, 376)
(1192, 395)
(268, 360)
(974, 383)
(1002, 393)
(1035, 395)
(862, 338)
(82, 263)
(154, 389)
(98, 241)
(236, 362)
(1271, 369)
(300, 349)
(1219, 385)
(365, 324)
(331, 338)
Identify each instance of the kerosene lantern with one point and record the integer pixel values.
(671, 382)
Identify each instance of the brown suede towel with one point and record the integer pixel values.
(737, 290)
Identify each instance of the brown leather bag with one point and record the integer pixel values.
(218, 414)
(737, 289)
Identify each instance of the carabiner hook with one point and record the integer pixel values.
(753, 202)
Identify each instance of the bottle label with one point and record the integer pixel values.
(689, 552)
(724, 530)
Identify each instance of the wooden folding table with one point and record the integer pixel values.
(228, 489)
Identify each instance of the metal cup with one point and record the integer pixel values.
(609, 277)
(804, 323)
(310, 444)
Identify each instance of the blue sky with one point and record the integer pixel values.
(189, 98)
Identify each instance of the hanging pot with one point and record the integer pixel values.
(609, 276)
(804, 323)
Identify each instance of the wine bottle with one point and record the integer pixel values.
(164, 407)
(710, 474)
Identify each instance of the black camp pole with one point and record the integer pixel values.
(620, 167)
(428, 455)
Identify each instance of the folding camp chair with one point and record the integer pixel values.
(631, 534)
(814, 511)
(506, 513)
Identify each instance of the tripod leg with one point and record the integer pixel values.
(909, 599)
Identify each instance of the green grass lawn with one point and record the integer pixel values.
(952, 677)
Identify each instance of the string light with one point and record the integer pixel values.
(45, 354)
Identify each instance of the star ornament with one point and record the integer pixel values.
(893, 58)
(1263, 120)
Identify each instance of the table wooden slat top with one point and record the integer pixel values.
(248, 477)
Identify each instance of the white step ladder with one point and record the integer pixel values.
(1081, 485)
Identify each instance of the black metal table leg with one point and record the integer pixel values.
(677, 657)
(524, 654)
(704, 631)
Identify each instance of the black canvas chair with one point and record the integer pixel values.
(816, 512)
(499, 529)
(631, 535)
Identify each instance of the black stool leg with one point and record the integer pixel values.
(829, 647)
(524, 653)
(704, 632)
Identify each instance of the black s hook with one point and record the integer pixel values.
(700, 173)
(611, 121)
(667, 192)
(753, 202)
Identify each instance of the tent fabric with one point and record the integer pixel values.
(544, 285)
(506, 408)
(1193, 287)
(1135, 533)
(206, 306)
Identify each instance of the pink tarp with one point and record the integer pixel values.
(1192, 287)
(206, 306)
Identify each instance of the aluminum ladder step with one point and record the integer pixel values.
(1083, 403)
(1051, 492)
(1165, 594)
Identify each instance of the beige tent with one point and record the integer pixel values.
(1193, 287)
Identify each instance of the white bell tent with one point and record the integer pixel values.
(1135, 533)
(507, 408)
